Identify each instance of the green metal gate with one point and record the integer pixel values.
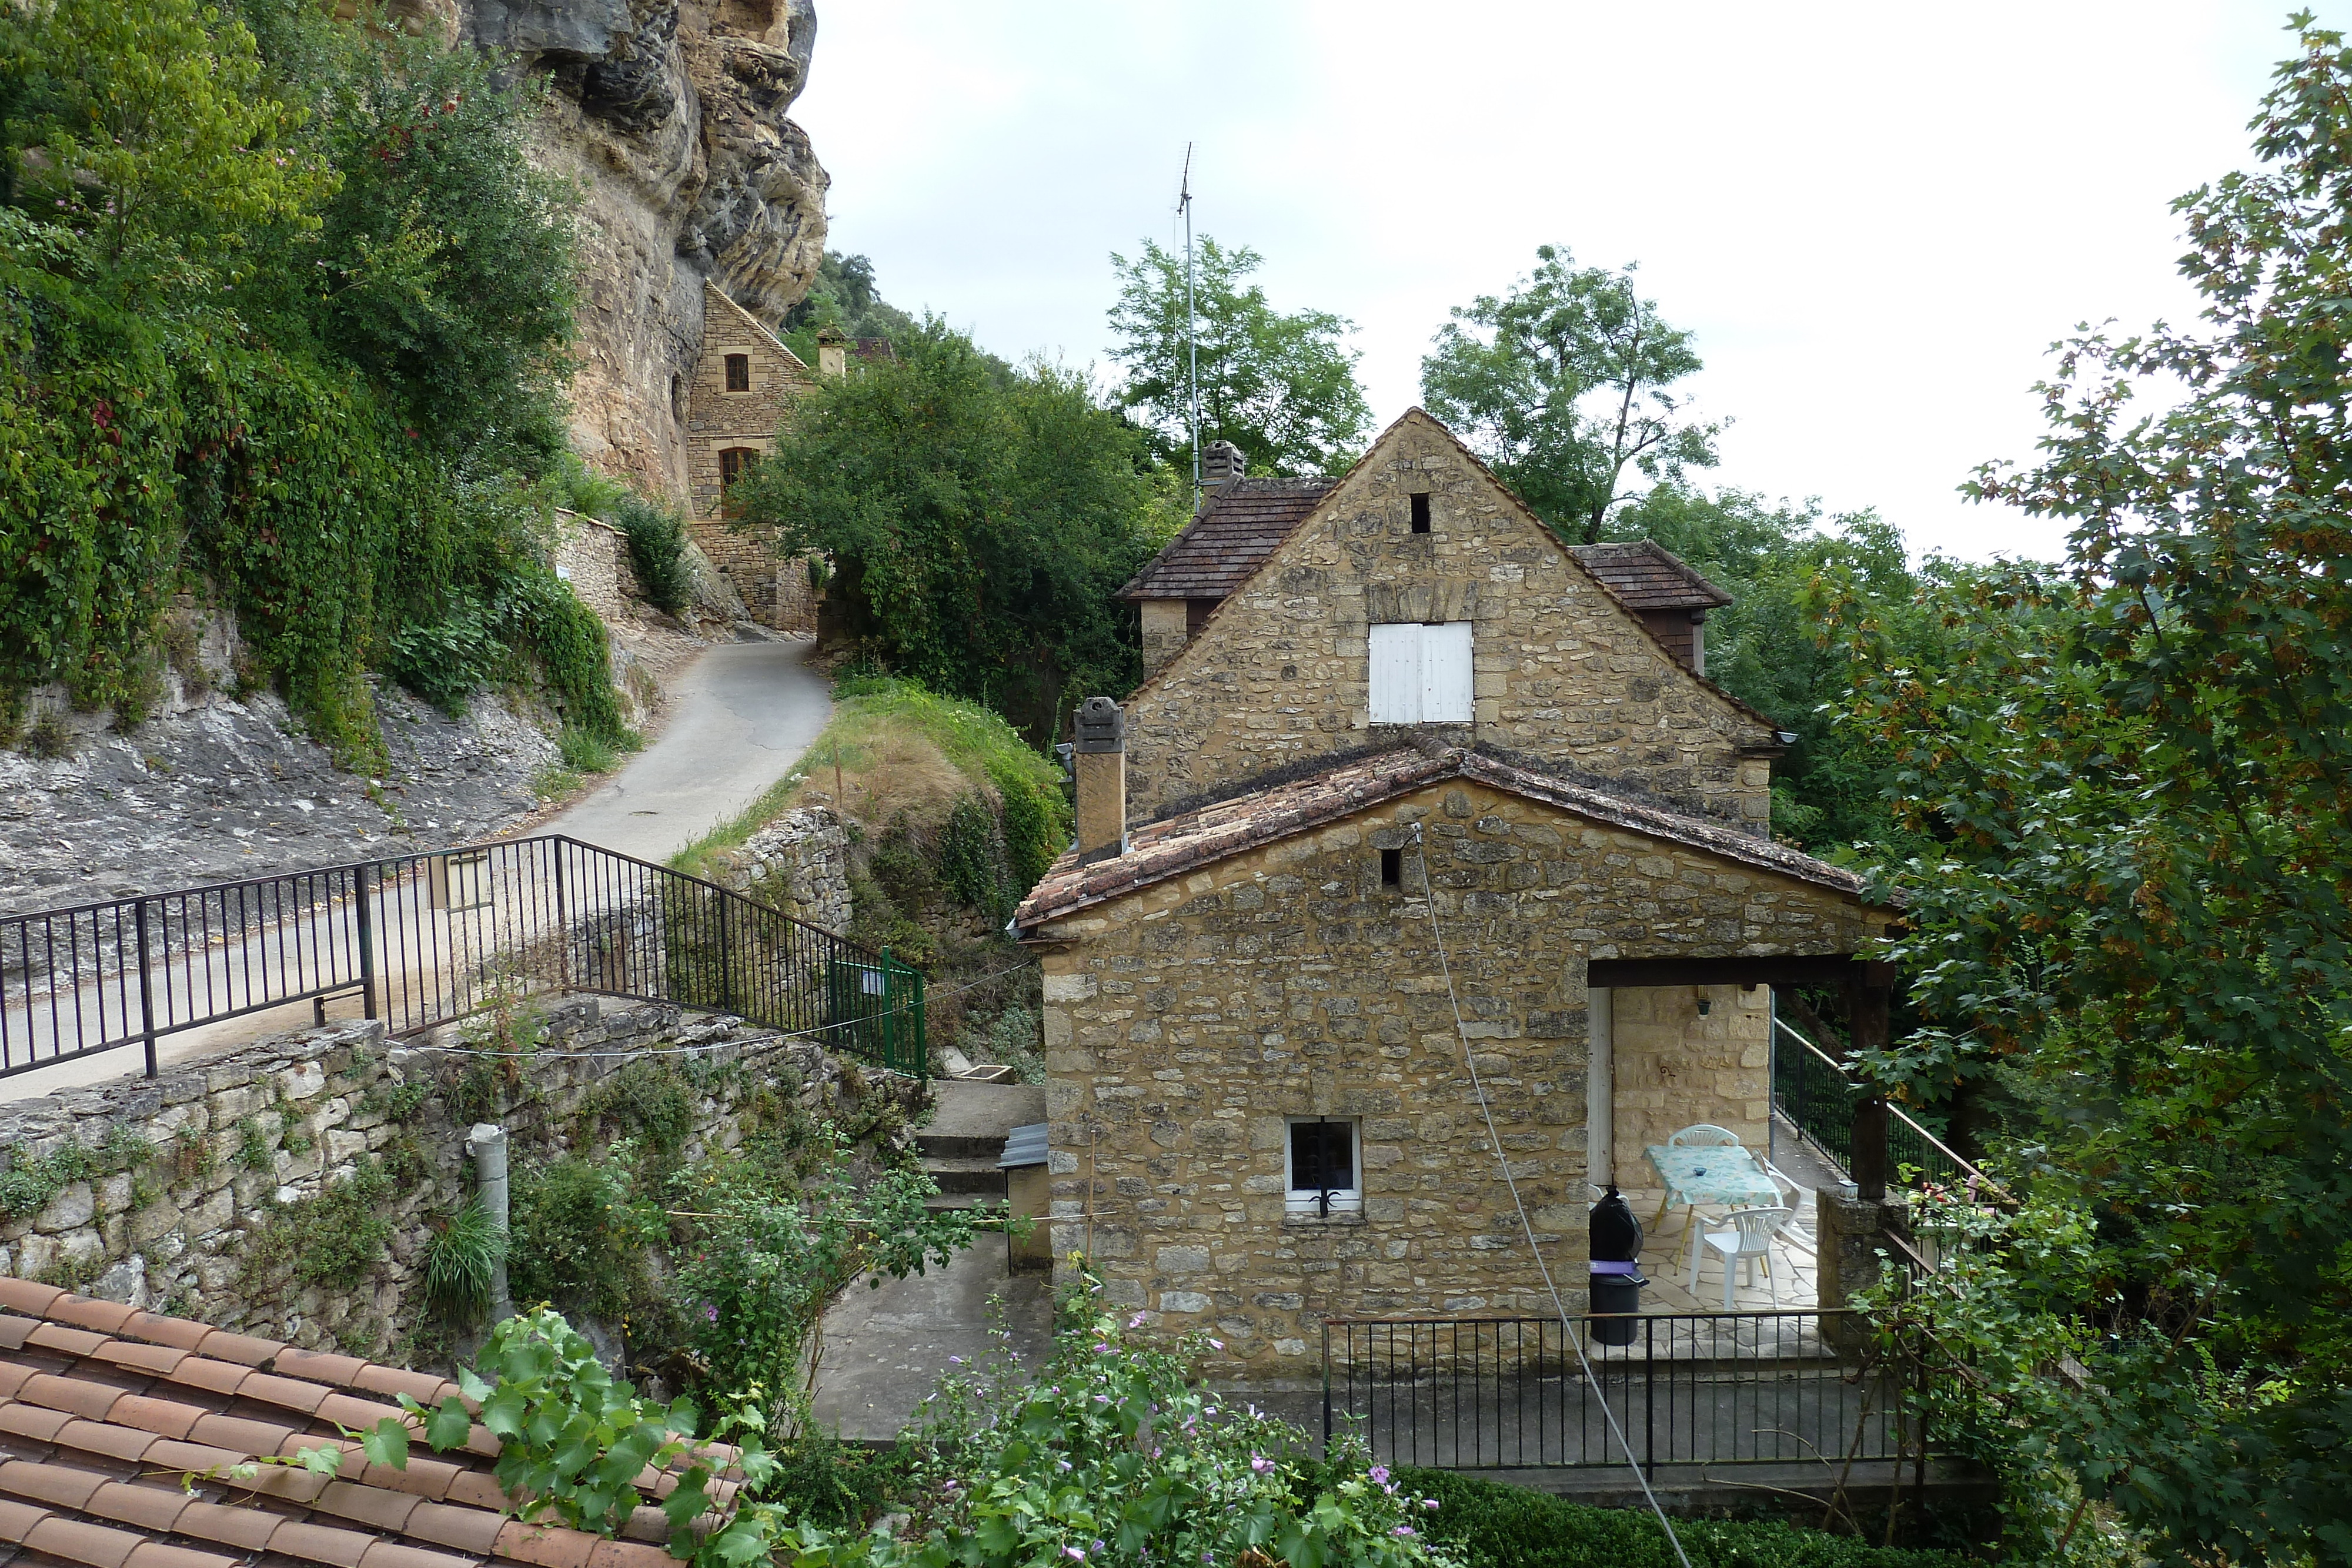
(877, 1012)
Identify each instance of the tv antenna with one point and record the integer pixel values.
(1191, 330)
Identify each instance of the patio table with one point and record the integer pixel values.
(1725, 1174)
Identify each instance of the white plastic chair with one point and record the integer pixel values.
(1703, 1135)
(1749, 1240)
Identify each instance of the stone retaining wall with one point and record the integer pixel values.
(196, 1178)
(799, 863)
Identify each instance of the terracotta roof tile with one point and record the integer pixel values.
(422, 1386)
(157, 1329)
(98, 1438)
(16, 1519)
(244, 1349)
(248, 1529)
(65, 1341)
(13, 1330)
(423, 1478)
(628, 1554)
(212, 1376)
(471, 1530)
(287, 1393)
(240, 1433)
(545, 1545)
(320, 1543)
(28, 1296)
(79, 1395)
(1644, 575)
(1161, 849)
(166, 1417)
(359, 1415)
(319, 1366)
(155, 1508)
(375, 1508)
(20, 1420)
(291, 1482)
(393, 1554)
(66, 1486)
(158, 1359)
(169, 1454)
(79, 1541)
(163, 1554)
(13, 1376)
(476, 1489)
(82, 1313)
(1237, 528)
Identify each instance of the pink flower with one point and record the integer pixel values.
(1135, 1321)
(1429, 1502)
(1380, 1474)
(1402, 1529)
(1260, 1463)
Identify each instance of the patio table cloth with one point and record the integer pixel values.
(1725, 1174)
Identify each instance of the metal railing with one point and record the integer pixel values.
(1708, 1388)
(1818, 1096)
(423, 939)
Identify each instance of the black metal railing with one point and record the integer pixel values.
(423, 939)
(1818, 1096)
(1707, 1388)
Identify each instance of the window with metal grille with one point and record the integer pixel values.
(1321, 1161)
(1421, 675)
(739, 373)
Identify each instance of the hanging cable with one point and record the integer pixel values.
(1527, 1226)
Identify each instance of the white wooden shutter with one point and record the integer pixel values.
(1396, 674)
(1445, 673)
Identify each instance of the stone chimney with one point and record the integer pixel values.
(831, 350)
(1098, 765)
(1221, 463)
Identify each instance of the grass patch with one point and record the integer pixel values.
(900, 748)
(581, 754)
(1490, 1525)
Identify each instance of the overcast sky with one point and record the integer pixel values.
(1875, 218)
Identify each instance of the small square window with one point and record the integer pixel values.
(739, 373)
(1321, 1160)
(1392, 868)
(1419, 513)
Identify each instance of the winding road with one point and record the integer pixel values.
(741, 715)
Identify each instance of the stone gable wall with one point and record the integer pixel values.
(241, 1141)
(1185, 1022)
(1561, 672)
(776, 591)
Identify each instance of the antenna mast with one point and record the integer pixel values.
(1191, 332)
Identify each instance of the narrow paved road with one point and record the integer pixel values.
(741, 715)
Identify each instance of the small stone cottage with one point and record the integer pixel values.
(1410, 786)
(741, 395)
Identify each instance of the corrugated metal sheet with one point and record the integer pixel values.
(1026, 1146)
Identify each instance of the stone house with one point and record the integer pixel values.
(1411, 787)
(741, 395)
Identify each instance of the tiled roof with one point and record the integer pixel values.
(1182, 843)
(120, 1430)
(1640, 575)
(1243, 524)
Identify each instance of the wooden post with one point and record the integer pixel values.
(1866, 1017)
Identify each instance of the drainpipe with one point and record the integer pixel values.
(488, 1145)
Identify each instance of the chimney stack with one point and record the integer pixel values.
(831, 350)
(1100, 769)
(1222, 463)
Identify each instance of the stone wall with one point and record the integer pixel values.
(1673, 1066)
(205, 1171)
(799, 863)
(1561, 672)
(1186, 1020)
(593, 556)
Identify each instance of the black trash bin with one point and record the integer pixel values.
(1615, 1234)
(1615, 1292)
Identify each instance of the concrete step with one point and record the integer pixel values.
(966, 1174)
(989, 1146)
(941, 1203)
(973, 1119)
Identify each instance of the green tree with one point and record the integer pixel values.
(2139, 776)
(1280, 387)
(1564, 383)
(978, 520)
(847, 296)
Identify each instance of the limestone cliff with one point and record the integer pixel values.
(671, 116)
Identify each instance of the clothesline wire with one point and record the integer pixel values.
(1527, 1226)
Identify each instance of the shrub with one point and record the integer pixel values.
(462, 1255)
(656, 550)
(1491, 1525)
(48, 737)
(581, 1233)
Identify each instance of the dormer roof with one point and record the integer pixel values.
(1642, 575)
(1245, 522)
